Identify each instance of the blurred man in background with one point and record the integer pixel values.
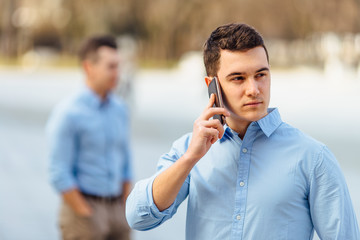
(89, 150)
(256, 178)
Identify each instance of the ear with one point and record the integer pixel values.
(86, 66)
(207, 80)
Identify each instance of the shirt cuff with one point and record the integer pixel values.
(64, 185)
(152, 208)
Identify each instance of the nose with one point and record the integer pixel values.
(252, 88)
(116, 72)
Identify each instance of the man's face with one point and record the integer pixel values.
(104, 71)
(245, 81)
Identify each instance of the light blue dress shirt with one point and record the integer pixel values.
(89, 144)
(277, 183)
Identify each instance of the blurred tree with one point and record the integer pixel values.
(8, 39)
(165, 29)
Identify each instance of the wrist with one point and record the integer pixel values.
(83, 209)
(189, 159)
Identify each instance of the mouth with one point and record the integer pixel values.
(253, 104)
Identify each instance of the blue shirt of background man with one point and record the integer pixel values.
(277, 183)
(89, 144)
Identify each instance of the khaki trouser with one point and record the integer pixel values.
(108, 222)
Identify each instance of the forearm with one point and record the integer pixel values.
(206, 132)
(142, 213)
(126, 189)
(76, 202)
(155, 200)
(167, 184)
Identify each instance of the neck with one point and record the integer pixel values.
(238, 125)
(98, 91)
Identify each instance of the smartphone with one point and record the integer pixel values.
(214, 87)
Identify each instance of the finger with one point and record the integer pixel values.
(214, 134)
(209, 133)
(210, 112)
(214, 123)
(211, 101)
(220, 128)
(205, 128)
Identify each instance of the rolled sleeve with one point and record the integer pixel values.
(330, 204)
(141, 211)
(61, 140)
(127, 169)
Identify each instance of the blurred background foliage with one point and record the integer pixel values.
(164, 30)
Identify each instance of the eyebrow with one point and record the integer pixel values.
(242, 73)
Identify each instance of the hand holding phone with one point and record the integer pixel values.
(206, 131)
(214, 87)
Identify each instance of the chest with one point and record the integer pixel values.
(262, 178)
(101, 129)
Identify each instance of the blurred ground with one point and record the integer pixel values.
(164, 104)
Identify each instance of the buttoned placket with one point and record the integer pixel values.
(242, 179)
(102, 110)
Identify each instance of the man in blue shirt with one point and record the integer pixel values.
(89, 150)
(255, 178)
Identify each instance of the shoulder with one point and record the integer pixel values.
(66, 111)
(118, 101)
(178, 148)
(182, 143)
(119, 104)
(296, 137)
(312, 153)
(70, 105)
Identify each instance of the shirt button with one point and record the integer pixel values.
(242, 184)
(244, 150)
(238, 217)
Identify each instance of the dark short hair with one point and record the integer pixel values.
(233, 37)
(89, 49)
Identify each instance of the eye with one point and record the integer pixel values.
(260, 75)
(112, 66)
(238, 78)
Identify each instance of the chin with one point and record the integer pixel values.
(111, 87)
(251, 116)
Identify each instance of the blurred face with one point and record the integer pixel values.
(103, 72)
(245, 81)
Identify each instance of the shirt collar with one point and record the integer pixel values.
(267, 124)
(93, 99)
(270, 122)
